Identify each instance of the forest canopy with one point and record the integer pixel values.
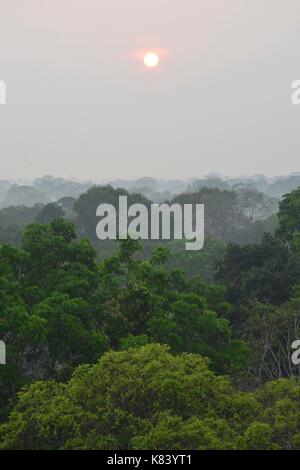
(143, 347)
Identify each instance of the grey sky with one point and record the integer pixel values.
(80, 103)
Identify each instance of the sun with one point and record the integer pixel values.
(151, 60)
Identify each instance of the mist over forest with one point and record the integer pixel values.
(127, 344)
(50, 189)
(236, 210)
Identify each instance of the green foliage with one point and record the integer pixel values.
(196, 263)
(59, 309)
(50, 307)
(49, 213)
(270, 331)
(236, 216)
(289, 215)
(12, 221)
(266, 272)
(146, 398)
(142, 298)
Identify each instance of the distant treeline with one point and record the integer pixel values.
(240, 215)
(49, 189)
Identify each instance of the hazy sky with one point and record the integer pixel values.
(80, 103)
